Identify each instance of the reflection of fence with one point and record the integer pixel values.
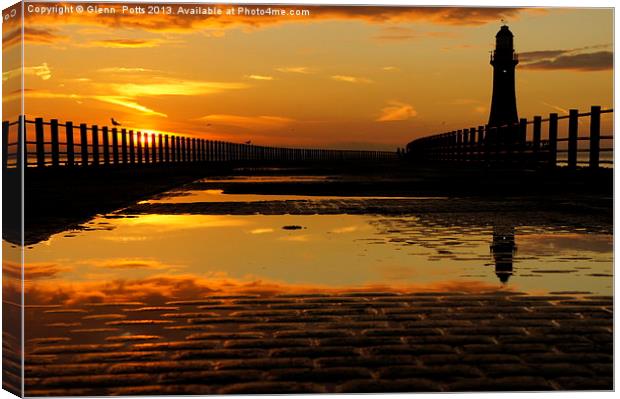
(65, 144)
(522, 143)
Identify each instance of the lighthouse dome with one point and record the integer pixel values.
(504, 32)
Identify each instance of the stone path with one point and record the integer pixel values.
(352, 342)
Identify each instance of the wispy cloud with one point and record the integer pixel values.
(131, 263)
(32, 271)
(296, 69)
(555, 107)
(390, 68)
(397, 111)
(174, 87)
(125, 102)
(471, 16)
(576, 59)
(262, 231)
(126, 43)
(39, 35)
(260, 77)
(350, 79)
(125, 70)
(397, 33)
(128, 103)
(43, 71)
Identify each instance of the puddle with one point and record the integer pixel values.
(191, 196)
(179, 255)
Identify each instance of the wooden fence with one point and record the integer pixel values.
(67, 144)
(523, 143)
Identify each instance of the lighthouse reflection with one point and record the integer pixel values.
(503, 249)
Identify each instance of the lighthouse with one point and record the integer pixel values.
(504, 60)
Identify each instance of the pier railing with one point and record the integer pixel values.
(552, 141)
(54, 144)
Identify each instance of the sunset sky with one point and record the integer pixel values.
(343, 77)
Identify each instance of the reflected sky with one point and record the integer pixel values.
(186, 255)
(216, 195)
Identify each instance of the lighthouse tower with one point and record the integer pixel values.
(504, 60)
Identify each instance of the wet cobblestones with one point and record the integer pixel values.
(361, 342)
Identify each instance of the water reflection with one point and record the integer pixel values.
(178, 256)
(503, 249)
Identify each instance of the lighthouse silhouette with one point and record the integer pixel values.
(504, 60)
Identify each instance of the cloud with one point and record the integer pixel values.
(162, 288)
(131, 263)
(397, 33)
(578, 59)
(32, 271)
(556, 107)
(122, 101)
(260, 77)
(262, 231)
(128, 103)
(124, 70)
(586, 62)
(343, 230)
(40, 35)
(351, 79)
(250, 122)
(125, 43)
(297, 69)
(174, 87)
(396, 111)
(390, 68)
(471, 16)
(43, 71)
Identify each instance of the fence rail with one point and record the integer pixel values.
(56, 144)
(521, 143)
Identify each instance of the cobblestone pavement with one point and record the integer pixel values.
(352, 342)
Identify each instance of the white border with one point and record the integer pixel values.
(488, 3)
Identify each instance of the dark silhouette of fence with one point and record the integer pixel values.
(56, 144)
(522, 143)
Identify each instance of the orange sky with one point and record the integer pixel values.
(341, 77)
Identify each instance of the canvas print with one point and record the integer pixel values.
(265, 199)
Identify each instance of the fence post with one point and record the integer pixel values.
(5, 144)
(115, 146)
(55, 143)
(161, 147)
(70, 147)
(95, 143)
(167, 148)
(147, 147)
(84, 143)
(522, 136)
(139, 147)
(40, 142)
(132, 148)
(480, 143)
(105, 142)
(573, 130)
(553, 139)
(595, 136)
(536, 137)
(173, 149)
(124, 145)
